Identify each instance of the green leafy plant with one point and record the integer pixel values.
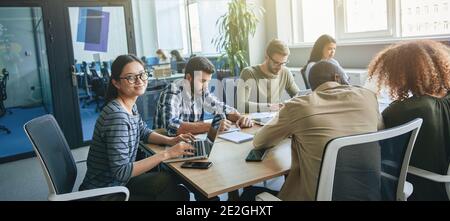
(235, 27)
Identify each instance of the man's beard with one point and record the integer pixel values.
(271, 70)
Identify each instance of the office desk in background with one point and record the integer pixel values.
(230, 171)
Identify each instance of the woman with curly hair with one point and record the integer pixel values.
(416, 75)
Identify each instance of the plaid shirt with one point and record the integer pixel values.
(176, 106)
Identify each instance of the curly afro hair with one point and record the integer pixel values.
(415, 67)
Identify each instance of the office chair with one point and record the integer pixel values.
(439, 178)
(147, 103)
(96, 84)
(58, 164)
(305, 79)
(86, 79)
(105, 70)
(3, 96)
(367, 167)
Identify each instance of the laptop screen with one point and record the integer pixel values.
(215, 125)
(213, 131)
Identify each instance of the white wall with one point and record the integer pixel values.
(258, 42)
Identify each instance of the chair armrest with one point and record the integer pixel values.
(429, 175)
(266, 197)
(408, 190)
(90, 193)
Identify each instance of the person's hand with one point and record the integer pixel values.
(188, 138)
(276, 107)
(244, 122)
(178, 150)
(225, 125)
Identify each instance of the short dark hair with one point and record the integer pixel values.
(199, 64)
(324, 71)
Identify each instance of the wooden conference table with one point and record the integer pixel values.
(229, 171)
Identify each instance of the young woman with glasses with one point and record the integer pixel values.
(118, 131)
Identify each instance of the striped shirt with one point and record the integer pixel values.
(176, 106)
(114, 147)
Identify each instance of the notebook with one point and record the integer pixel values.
(236, 137)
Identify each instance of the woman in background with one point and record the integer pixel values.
(416, 75)
(163, 59)
(118, 131)
(176, 56)
(180, 62)
(324, 49)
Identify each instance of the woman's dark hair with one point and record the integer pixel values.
(317, 50)
(116, 69)
(199, 64)
(177, 55)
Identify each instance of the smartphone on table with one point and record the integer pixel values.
(256, 155)
(196, 165)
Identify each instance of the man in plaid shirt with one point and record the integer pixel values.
(182, 105)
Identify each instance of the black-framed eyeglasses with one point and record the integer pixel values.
(143, 75)
(276, 63)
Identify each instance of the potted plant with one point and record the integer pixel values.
(235, 27)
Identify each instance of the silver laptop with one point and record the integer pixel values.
(202, 147)
(262, 121)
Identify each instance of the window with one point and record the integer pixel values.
(313, 24)
(188, 25)
(363, 20)
(194, 28)
(434, 22)
(203, 27)
(365, 15)
(171, 25)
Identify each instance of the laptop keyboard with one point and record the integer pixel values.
(199, 146)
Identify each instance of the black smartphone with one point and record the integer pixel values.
(256, 155)
(196, 165)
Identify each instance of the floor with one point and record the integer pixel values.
(23, 180)
(17, 142)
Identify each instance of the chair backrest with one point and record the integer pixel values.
(305, 79)
(147, 103)
(53, 153)
(370, 166)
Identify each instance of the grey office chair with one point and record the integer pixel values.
(58, 164)
(439, 178)
(366, 167)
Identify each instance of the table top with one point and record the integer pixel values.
(230, 171)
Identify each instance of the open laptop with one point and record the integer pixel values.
(262, 118)
(202, 147)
